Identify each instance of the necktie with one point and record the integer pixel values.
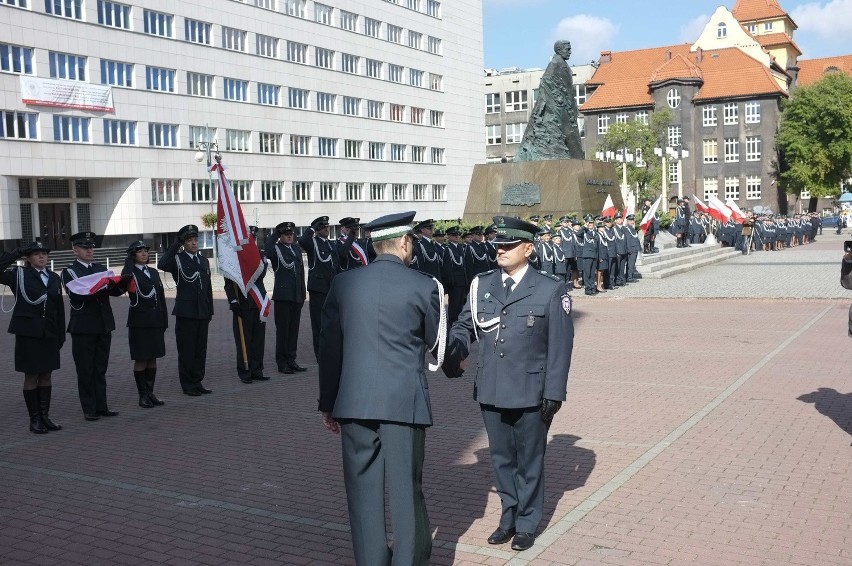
(44, 278)
(197, 261)
(507, 286)
(145, 271)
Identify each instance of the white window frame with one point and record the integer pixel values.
(732, 188)
(375, 109)
(753, 187)
(709, 116)
(303, 191)
(418, 154)
(298, 98)
(234, 89)
(395, 73)
(163, 135)
(349, 63)
(419, 191)
(376, 151)
(372, 28)
(348, 21)
(673, 97)
(397, 152)
(603, 124)
(327, 147)
(516, 101)
(270, 143)
(67, 66)
(351, 106)
(16, 59)
(711, 150)
(196, 31)
(199, 84)
(267, 46)
(268, 95)
(752, 112)
(492, 103)
(119, 132)
(159, 79)
(324, 58)
(434, 45)
(438, 155)
(415, 115)
(674, 136)
(272, 191)
(158, 23)
(399, 191)
(114, 14)
(394, 33)
(328, 191)
(415, 77)
(731, 113)
(415, 39)
(377, 191)
(323, 14)
(754, 148)
(117, 73)
(297, 52)
(732, 150)
(711, 187)
(72, 9)
(295, 8)
(238, 140)
(23, 125)
(165, 190)
(374, 69)
(436, 118)
(436, 82)
(352, 149)
(300, 145)
(326, 102)
(439, 192)
(515, 132)
(354, 191)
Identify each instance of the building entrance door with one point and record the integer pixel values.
(55, 225)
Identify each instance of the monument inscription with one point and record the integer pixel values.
(521, 194)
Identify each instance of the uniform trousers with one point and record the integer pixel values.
(288, 314)
(91, 358)
(620, 269)
(191, 339)
(372, 452)
(455, 303)
(315, 309)
(590, 268)
(517, 439)
(612, 275)
(254, 332)
(631, 265)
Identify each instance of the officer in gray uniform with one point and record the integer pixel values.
(524, 321)
(588, 238)
(618, 276)
(285, 256)
(634, 246)
(378, 322)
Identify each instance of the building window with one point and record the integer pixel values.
(433, 8)
(349, 64)
(64, 8)
(711, 187)
(302, 190)
(297, 52)
(270, 142)
(66, 66)
(416, 115)
(711, 151)
(395, 73)
(202, 190)
(162, 135)
(374, 69)
(267, 46)
(377, 191)
(674, 172)
(753, 191)
(324, 58)
(327, 147)
(235, 89)
(397, 111)
(242, 190)
(165, 190)
(267, 4)
(394, 34)
(113, 14)
(415, 77)
(436, 118)
(348, 21)
(732, 150)
(415, 39)
(372, 27)
(268, 95)
(352, 149)
(325, 102)
(732, 188)
(674, 136)
(603, 124)
(436, 82)
(159, 79)
(438, 154)
(708, 114)
(300, 145)
(157, 23)
(621, 118)
(116, 74)
(434, 45)
(375, 109)
(27, 222)
(767, 26)
(494, 134)
(351, 106)
(731, 113)
(198, 135)
(673, 98)
(322, 13)
(752, 28)
(516, 101)
(492, 103)
(70, 129)
(414, 5)
(297, 98)
(439, 192)
(295, 8)
(271, 191)
(377, 151)
(642, 117)
(196, 32)
(15, 59)
(354, 191)
(18, 125)
(328, 191)
(515, 132)
(237, 140)
(397, 152)
(199, 85)
(420, 192)
(721, 30)
(119, 132)
(752, 112)
(753, 148)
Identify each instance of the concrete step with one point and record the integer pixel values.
(677, 263)
(668, 253)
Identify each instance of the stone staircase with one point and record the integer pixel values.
(672, 260)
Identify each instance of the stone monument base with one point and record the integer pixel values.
(557, 187)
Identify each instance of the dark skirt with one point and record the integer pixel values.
(36, 355)
(146, 342)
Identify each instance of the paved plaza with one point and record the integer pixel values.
(708, 422)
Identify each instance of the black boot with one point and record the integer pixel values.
(646, 248)
(142, 389)
(31, 399)
(44, 392)
(150, 378)
(679, 241)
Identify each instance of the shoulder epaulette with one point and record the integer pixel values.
(489, 272)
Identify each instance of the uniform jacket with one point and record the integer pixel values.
(475, 259)
(90, 314)
(544, 251)
(44, 320)
(589, 240)
(377, 325)
(148, 301)
(526, 340)
(322, 260)
(453, 274)
(346, 257)
(428, 257)
(568, 239)
(632, 237)
(288, 268)
(194, 298)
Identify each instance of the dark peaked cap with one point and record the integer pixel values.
(512, 230)
(391, 225)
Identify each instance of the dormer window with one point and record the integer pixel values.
(721, 30)
(752, 28)
(673, 98)
(767, 26)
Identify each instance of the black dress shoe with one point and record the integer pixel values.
(287, 369)
(202, 389)
(260, 377)
(244, 380)
(501, 536)
(192, 392)
(107, 413)
(523, 541)
(91, 416)
(296, 367)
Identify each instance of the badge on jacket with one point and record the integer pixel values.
(566, 303)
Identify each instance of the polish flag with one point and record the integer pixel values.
(718, 210)
(649, 216)
(91, 284)
(736, 213)
(628, 210)
(608, 207)
(700, 206)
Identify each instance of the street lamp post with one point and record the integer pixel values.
(206, 149)
(677, 153)
(624, 157)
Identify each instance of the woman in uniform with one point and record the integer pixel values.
(38, 323)
(147, 320)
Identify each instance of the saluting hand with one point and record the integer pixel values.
(330, 423)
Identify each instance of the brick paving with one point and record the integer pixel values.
(710, 431)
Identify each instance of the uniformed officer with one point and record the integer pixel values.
(428, 256)
(350, 254)
(90, 324)
(544, 250)
(377, 325)
(147, 320)
(38, 323)
(609, 237)
(603, 256)
(288, 294)
(453, 274)
(193, 308)
(322, 267)
(476, 254)
(489, 234)
(651, 231)
(680, 226)
(619, 265)
(589, 240)
(634, 246)
(560, 263)
(521, 376)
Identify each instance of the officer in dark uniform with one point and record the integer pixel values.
(653, 228)
(322, 267)
(38, 323)
(634, 246)
(490, 233)
(289, 294)
(350, 254)
(427, 254)
(544, 250)
(453, 274)
(603, 256)
(91, 324)
(588, 237)
(377, 325)
(610, 238)
(680, 226)
(521, 376)
(619, 264)
(193, 308)
(476, 254)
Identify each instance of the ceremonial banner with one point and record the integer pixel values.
(608, 207)
(736, 213)
(649, 216)
(65, 94)
(718, 210)
(91, 284)
(700, 206)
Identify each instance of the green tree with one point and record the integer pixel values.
(815, 137)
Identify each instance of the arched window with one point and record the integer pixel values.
(721, 30)
(673, 98)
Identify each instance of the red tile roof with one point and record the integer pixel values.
(747, 10)
(775, 39)
(678, 67)
(812, 70)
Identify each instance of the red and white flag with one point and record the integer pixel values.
(628, 210)
(736, 213)
(699, 206)
(238, 254)
(608, 207)
(718, 210)
(649, 216)
(91, 284)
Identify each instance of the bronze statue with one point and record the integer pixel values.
(552, 131)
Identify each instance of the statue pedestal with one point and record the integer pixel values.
(557, 187)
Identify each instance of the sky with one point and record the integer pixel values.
(520, 33)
